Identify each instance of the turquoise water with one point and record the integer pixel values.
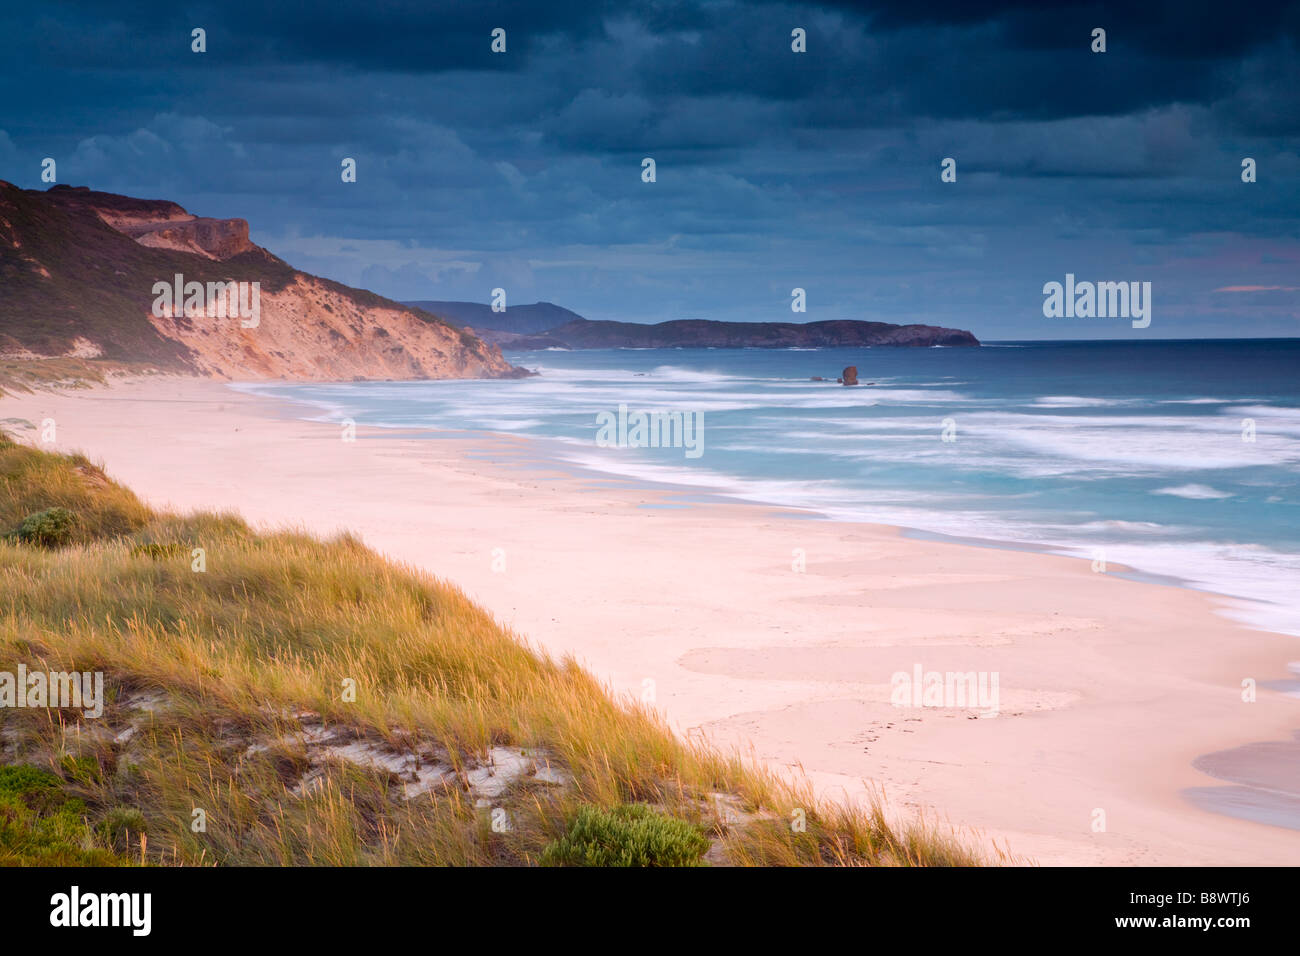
(1131, 452)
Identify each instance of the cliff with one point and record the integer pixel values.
(78, 269)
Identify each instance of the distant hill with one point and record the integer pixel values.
(544, 325)
(700, 333)
(522, 319)
(78, 268)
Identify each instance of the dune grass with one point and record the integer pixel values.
(29, 374)
(224, 650)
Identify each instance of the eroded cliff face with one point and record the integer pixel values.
(310, 331)
(79, 269)
(213, 238)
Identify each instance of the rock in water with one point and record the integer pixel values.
(850, 375)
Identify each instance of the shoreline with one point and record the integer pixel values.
(702, 601)
(1245, 566)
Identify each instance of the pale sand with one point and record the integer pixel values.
(1110, 688)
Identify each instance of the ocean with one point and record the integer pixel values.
(1179, 459)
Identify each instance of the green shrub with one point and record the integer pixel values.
(628, 835)
(38, 788)
(121, 828)
(41, 826)
(51, 528)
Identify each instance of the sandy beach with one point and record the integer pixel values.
(1109, 689)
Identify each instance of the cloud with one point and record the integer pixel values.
(1259, 288)
(775, 169)
(8, 151)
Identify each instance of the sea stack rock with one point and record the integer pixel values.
(850, 375)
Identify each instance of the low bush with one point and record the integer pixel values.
(627, 835)
(51, 528)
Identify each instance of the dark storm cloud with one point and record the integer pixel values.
(393, 35)
(1187, 28)
(774, 169)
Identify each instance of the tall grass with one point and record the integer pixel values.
(233, 661)
(29, 374)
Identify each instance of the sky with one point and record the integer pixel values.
(774, 170)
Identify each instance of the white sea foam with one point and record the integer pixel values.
(1194, 492)
(1011, 474)
(1110, 526)
(1261, 579)
(1137, 443)
(1076, 401)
